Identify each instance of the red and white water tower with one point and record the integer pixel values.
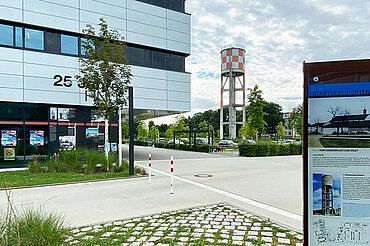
(232, 82)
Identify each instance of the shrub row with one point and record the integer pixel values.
(76, 161)
(186, 147)
(266, 149)
(140, 142)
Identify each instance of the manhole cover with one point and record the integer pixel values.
(203, 175)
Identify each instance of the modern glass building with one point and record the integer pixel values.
(41, 107)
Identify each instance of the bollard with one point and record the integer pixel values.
(150, 168)
(171, 175)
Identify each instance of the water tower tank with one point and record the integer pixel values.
(233, 59)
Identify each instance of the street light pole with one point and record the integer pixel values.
(131, 129)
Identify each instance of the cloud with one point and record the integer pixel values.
(278, 36)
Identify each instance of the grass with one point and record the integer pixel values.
(25, 178)
(345, 143)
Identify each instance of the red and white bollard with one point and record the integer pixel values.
(150, 168)
(171, 175)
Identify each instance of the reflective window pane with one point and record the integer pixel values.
(158, 60)
(138, 56)
(34, 39)
(6, 34)
(19, 36)
(52, 42)
(69, 44)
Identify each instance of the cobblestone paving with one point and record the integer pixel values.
(219, 224)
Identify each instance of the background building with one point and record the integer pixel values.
(41, 107)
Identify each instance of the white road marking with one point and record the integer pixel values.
(234, 196)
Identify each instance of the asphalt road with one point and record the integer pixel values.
(270, 187)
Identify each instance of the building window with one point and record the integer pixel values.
(158, 60)
(18, 36)
(6, 35)
(159, 3)
(83, 50)
(52, 41)
(69, 44)
(175, 63)
(34, 39)
(177, 5)
(138, 56)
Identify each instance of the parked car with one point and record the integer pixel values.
(176, 141)
(201, 141)
(185, 140)
(248, 141)
(160, 140)
(227, 143)
(142, 138)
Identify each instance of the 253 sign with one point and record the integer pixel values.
(65, 81)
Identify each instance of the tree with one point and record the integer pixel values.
(142, 130)
(255, 110)
(273, 116)
(295, 119)
(179, 125)
(153, 131)
(125, 129)
(204, 126)
(280, 129)
(104, 72)
(246, 131)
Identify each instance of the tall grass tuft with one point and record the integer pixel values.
(73, 159)
(34, 166)
(36, 228)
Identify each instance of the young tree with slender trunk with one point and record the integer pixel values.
(104, 72)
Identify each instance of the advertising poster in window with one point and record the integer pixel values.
(67, 142)
(9, 154)
(36, 138)
(9, 138)
(92, 132)
(337, 153)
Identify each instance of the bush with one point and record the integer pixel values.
(202, 148)
(73, 159)
(273, 149)
(33, 228)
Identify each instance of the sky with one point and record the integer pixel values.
(277, 36)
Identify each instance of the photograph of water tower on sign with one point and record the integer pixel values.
(326, 194)
(332, 122)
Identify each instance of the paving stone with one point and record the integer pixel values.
(284, 240)
(230, 227)
(281, 234)
(252, 237)
(107, 234)
(183, 239)
(299, 237)
(266, 233)
(80, 234)
(74, 231)
(118, 223)
(153, 239)
(267, 239)
(299, 244)
(96, 230)
(237, 238)
(255, 228)
(85, 229)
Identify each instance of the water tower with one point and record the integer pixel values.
(233, 83)
(327, 194)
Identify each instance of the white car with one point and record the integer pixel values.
(176, 141)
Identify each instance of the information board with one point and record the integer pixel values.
(337, 153)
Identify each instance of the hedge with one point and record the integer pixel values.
(265, 149)
(197, 148)
(140, 142)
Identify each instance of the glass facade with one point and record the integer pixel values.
(6, 34)
(34, 39)
(38, 129)
(63, 44)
